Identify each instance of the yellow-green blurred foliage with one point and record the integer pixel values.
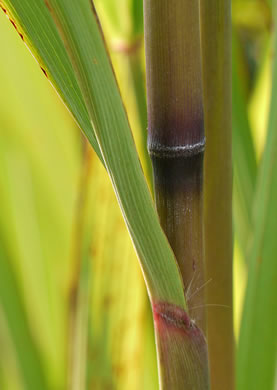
(72, 297)
(46, 203)
(252, 60)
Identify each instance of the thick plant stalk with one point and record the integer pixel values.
(176, 145)
(216, 49)
(176, 134)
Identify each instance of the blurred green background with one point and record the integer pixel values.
(69, 277)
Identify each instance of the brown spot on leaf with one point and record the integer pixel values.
(47, 5)
(13, 23)
(5, 11)
(44, 71)
(15, 26)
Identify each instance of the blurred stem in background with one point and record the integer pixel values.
(80, 287)
(216, 52)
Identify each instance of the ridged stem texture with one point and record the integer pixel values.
(216, 52)
(176, 144)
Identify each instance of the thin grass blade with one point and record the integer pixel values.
(244, 159)
(257, 351)
(36, 28)
(30, 364)
(82, 36)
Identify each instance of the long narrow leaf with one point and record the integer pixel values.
(11, 302)
(35, 26)
(78, 26)
(258, 343)
(245, 167)
(80, 31)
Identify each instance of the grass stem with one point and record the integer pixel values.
(176, 143)
(216, 52)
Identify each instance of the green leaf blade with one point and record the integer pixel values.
(29, 361)
(38, 30)
(245, 166)
(78, 26)
(257, 351)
